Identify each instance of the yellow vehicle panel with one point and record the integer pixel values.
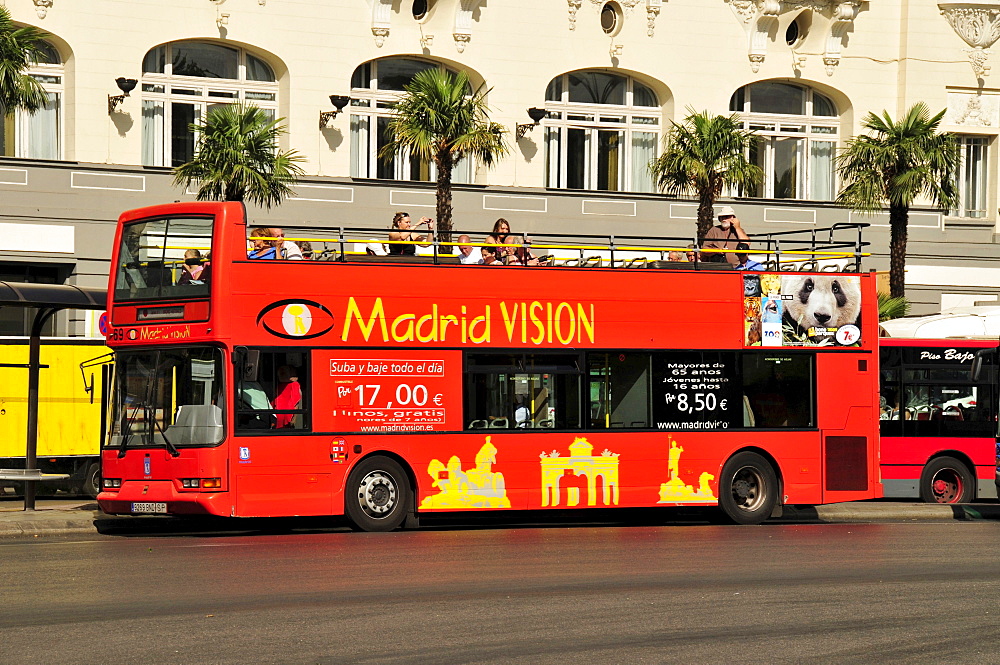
(69, 420)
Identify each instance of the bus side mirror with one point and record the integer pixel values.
(248, 360)
(982, 358)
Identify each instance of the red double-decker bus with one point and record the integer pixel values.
(938, 421)
(382, 388)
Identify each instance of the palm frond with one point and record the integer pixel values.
(237, 158)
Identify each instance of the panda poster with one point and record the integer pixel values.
(802, 309)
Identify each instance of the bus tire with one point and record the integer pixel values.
(92, 480)
(378, 495)
(748, 488)
(947, 480)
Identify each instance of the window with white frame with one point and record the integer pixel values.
(796, 146)
(182, 81)
(972, 176)
(375, 86)
(38, 135)
(602, 130)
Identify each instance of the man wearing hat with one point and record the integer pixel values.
(724, 235)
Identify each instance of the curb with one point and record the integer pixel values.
(891, 512)
(15, 524)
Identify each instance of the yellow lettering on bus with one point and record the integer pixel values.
(537, 339)
(353, 313)
(446, 321)
(407, 321)
(484, 337)
(509, 319)
(432, 318)
(560, 317)
(584, 323)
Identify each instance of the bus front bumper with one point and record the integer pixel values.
(152, 497)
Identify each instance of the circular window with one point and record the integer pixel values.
(420, 8)
(611, 16)
(793, 33)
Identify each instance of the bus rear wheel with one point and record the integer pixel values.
(378, 495)
(946, 480)
(748, 489)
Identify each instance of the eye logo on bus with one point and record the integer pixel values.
(296, 319)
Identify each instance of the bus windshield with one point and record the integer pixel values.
(164, 259)
(169, 397)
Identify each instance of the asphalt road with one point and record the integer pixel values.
(778, 593)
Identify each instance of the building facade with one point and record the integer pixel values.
(610, 77)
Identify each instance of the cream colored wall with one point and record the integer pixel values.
(696, 57)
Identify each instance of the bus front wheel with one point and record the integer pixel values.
(946, 480)
(378, 495)
(748, 489)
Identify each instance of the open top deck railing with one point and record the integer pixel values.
(836, 248)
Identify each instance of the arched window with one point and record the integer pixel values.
(38, 135)
(181, 81)
(797, 129)
(601, 132)
(375, 86)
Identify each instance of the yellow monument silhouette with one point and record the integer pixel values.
(675, 491)
(569, 472)
(479, 487)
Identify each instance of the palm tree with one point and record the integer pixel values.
(237, 158)
(891, 308)
(705, 155)
(19, 48)
(899, 162)
(438, 119)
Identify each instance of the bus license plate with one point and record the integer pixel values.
(149, 507)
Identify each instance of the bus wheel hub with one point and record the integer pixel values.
(377, 493)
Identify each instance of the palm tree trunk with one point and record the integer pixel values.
(444, 163)
(706, 210)
(898, 219)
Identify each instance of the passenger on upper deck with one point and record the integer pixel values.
(522, 256)
(500, 236)
(402, 232)
(263, 244)
(676, 256)
(725, 235)
(286, 248)
(467, 254)
(745, 262)
(191, 271)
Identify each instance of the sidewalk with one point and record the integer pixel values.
(54, 517)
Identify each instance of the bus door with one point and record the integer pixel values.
(848, 419)
(278, 465)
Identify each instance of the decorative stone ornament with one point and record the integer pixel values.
(381, 13)
(574, 7)
(42, 7)
(977, 22)
(760, 17)
(463, 23)
(652, 11)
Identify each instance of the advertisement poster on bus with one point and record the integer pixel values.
(801, 310)
(379, 391)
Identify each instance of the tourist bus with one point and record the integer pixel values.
(938, 422)
(382, 388)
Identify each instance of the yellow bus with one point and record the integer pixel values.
(71, 410)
